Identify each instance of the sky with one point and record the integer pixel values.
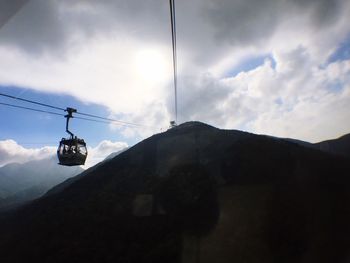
(280, 68)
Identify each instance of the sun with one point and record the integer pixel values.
(150, 65)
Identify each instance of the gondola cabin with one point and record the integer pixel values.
(72, 152)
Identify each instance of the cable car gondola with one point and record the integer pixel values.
(71, 151)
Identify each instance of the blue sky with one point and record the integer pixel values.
(280, 68)
(40, 129)
(342, 52)
(250, 63)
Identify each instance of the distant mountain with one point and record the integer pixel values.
(20, 183)
(114, 154)
(300, 142)
(68, 182)
(192, 194)
(340, 146)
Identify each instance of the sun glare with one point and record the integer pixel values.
(150, 65)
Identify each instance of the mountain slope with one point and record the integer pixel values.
(60, 187)
(340, 146)
(23, 182)
(193, 194)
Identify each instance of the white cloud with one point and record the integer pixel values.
(11, 151)
(102, 150)
(297, 99)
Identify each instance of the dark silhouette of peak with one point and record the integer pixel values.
(114, 154)
(192, 194)
(339, 146)
(345, 137)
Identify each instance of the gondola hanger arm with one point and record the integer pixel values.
(69, 115)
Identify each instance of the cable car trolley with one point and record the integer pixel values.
(71, 151)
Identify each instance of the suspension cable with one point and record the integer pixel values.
(110, 120)
(107, 120)
(59, 114)
(32, 109)
(31, 101)
(17, 7)
(173, 36)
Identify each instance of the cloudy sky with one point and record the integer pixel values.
(270, 67)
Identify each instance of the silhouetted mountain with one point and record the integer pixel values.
(60, 187)
(192, 194)
(20, 183)
(300, 142)
(112, 155)
(340, 146)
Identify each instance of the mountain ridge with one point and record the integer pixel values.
(20, 183)
(193, 193)
(339, 146)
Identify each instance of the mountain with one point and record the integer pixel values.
(114, 154)
(340, 146)
(20, 183)
(68, 182)
(192, 194)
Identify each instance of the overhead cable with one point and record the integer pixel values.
(9, 12)
(110, 120)
(107, 120)
(32, 109)
(55, 113)
(31, 101)
(173, 36)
